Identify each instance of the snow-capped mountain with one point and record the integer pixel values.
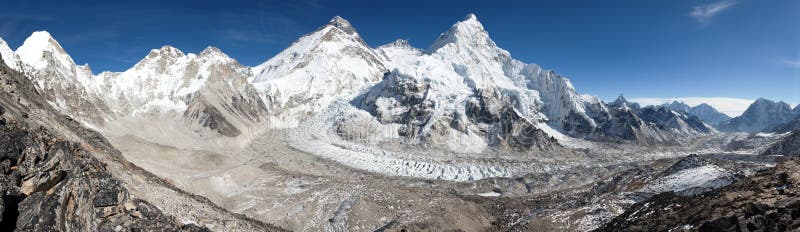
(463, 90)
(704, 111)
(466, 88)
(678, 106)
(210, 90)
(58, 78)
(165, 79)
(206, 91)
(681, 123)
(651, 124)
(621, 101)
(456, 92)
(708, 114)
(762, 115)
(315, 70)
(9, 57)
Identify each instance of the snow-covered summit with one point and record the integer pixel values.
(315, 70)
(342, 24)
(32, 52)
(467, 31)
(621, 101)
(67, 86)
(214, 53)
(709, 114)
(163, 79)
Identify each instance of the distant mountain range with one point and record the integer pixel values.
(463, 93)
(763, 115)
(704, 111)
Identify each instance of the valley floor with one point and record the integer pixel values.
(277, 180)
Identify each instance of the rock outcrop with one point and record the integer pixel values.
(788, 146)
(767, 201)
(50, 184)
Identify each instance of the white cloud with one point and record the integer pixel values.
(705, 13)
(791, 63)
(731, 106)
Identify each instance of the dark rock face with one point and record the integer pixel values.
(407, 93)
(767, 201)
(691, 161)
(227, 104)
(791, 125)
(507, 127)
(704, 112)
(402, 99)
(788, 146)
(622, 123)
(760, 116)
(665, 118)
(210, 117)
(49, 184)
(708, 114)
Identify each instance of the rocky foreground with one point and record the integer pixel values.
(50, 184)
(766, 201)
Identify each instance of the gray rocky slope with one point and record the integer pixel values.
(786, 146)
(60, 176)
(766, 201)
(708, 114)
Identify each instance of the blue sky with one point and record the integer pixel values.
(657, 49)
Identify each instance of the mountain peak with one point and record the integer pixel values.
(342, 24)
(215, 53)
(678, 106)
(399, 43)
(621, 98)
(467, 31)
(7, 55)
(763, 100)
(40, 37)
(212, 51)
(621, 101)
(166, 50)
(471, 18)
(32, 51)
